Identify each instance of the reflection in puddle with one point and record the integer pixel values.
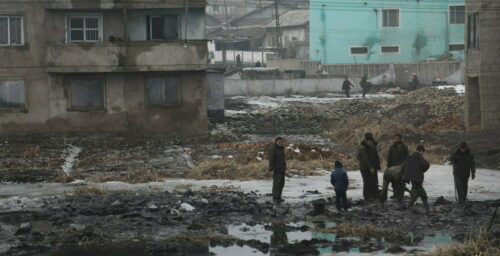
(277, 236)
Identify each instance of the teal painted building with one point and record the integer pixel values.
(385, 31)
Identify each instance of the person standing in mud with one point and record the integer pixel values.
(398, 152)
(369, 164)
(346, 87)
(392, 176)
(277, 165)
(365, 85)
(414, 168)
(340, 182)
(464, 167)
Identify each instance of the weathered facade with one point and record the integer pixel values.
(482, 35)
(102, 65)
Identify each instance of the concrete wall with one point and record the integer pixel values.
(285, 86)
(45, 61)
(482, 72)
(215, 92)
(424, 31)
(398, 73)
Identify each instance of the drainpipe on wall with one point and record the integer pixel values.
(185, 25)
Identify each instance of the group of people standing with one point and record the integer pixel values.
(402, 168)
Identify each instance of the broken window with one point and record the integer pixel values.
(390, 18)
(86, 93)
(164, 27)
(11, 30)
(84, 28)
(456, 47)
(162, 92)
(472, 33)
(359, 50)
(12, 94)
(457, 14)
(389, 49)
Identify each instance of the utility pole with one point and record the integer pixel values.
(224, 53)
(278, 28)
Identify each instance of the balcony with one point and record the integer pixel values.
(127, 57)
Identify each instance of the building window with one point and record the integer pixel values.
(87, 94)
(457, 14)
(164, 27)
(163, 92)
(11, 30)
(472, 33)
(12, 94)
(359, 50)
(389, 49)
(84, 28)
(456, 47)
(390, 18)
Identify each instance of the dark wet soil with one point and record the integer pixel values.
(155, 223)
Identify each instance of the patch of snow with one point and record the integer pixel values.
(187, 207)
(232, 113)
(215, 156)
(460, 89)
(70, 158)
(297, 150)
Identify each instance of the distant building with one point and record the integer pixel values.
(482, 110)
(294, 30)
(103, 65)
(383, 31)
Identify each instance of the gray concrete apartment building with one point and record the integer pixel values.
(482, 110)
(103, 65)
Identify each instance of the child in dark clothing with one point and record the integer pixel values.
(340, 182)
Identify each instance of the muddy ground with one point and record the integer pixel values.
(189, 222)
(319, 130)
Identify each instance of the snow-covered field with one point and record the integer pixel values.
(438, 182)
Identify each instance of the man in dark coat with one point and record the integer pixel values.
(346, 87)
(414, 168)
(340, 182)
(365, 85)
(369, 164)
(463, 168)
(277, 165)
(398, 152)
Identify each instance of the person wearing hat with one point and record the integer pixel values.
(414, 168)
(369, 164)
(340, 182)
(464, 167)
